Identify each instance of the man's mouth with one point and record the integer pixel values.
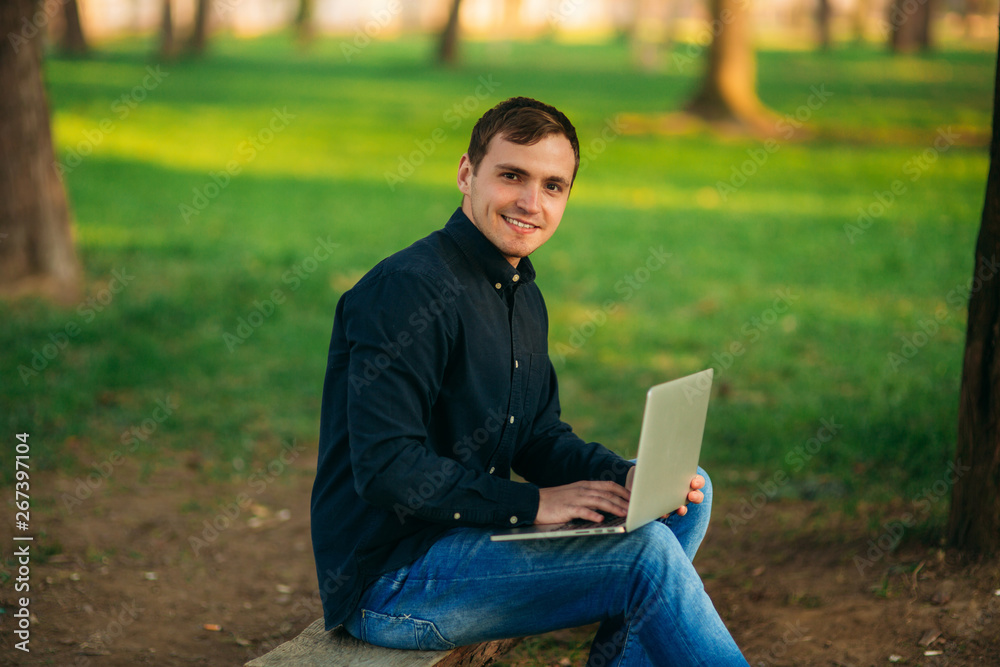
(518, 223)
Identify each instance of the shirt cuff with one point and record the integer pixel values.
(521, 507)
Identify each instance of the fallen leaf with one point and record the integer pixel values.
(929, 637)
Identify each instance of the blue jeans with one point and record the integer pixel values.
(641, 587)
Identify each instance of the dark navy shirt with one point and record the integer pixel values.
(438, 385)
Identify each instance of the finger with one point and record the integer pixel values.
(608, 487)
(681, 511)
(696, 497)
(697, 482)
(611, 504)
(587, 514)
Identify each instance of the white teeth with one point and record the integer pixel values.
(518, 223)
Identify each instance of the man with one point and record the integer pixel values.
(438, 385)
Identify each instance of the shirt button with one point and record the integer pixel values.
(512, 419)
(516, 278)
(513, 519)
(498, 285)
(492, 469)
(458, 515)
(516, 365)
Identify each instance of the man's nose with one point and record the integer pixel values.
(529, 199)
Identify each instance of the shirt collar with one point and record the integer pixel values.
(482, 253)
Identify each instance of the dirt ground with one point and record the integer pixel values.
(179, 566)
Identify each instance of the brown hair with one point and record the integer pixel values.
(523, 121)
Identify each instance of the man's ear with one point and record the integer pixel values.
(465, 175)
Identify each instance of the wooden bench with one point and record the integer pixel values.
(316, 647)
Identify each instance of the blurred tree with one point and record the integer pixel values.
(168, 46)
(824, 12)
(728, 94)
(859, 20)
(72, 39)
(304, 25)
(199, 33)
(974, 516)
(448, 42)
(910, 25)
(971, 10)
(36, 241)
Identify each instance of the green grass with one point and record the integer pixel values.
(323, 175)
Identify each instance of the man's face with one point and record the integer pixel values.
(517, 196)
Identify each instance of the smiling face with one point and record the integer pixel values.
(517, 196)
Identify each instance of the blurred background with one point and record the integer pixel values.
(787, 191)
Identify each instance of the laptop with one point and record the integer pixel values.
(673, 423)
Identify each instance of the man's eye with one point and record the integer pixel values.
(509, 176)
(555, 187)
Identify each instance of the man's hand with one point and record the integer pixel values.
(694, 495)
(580, 500)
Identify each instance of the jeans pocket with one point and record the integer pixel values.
(405, 632)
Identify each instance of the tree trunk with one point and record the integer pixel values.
(859, 20)
(728, 94)
(199, 35)
(36, 240)
(910, 25)
(448, 44)
(824, 13)
(72, 40)
(304, 27)
(974, 517)
(168, 45)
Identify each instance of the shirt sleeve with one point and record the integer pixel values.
(400, 332)
(553, 454)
